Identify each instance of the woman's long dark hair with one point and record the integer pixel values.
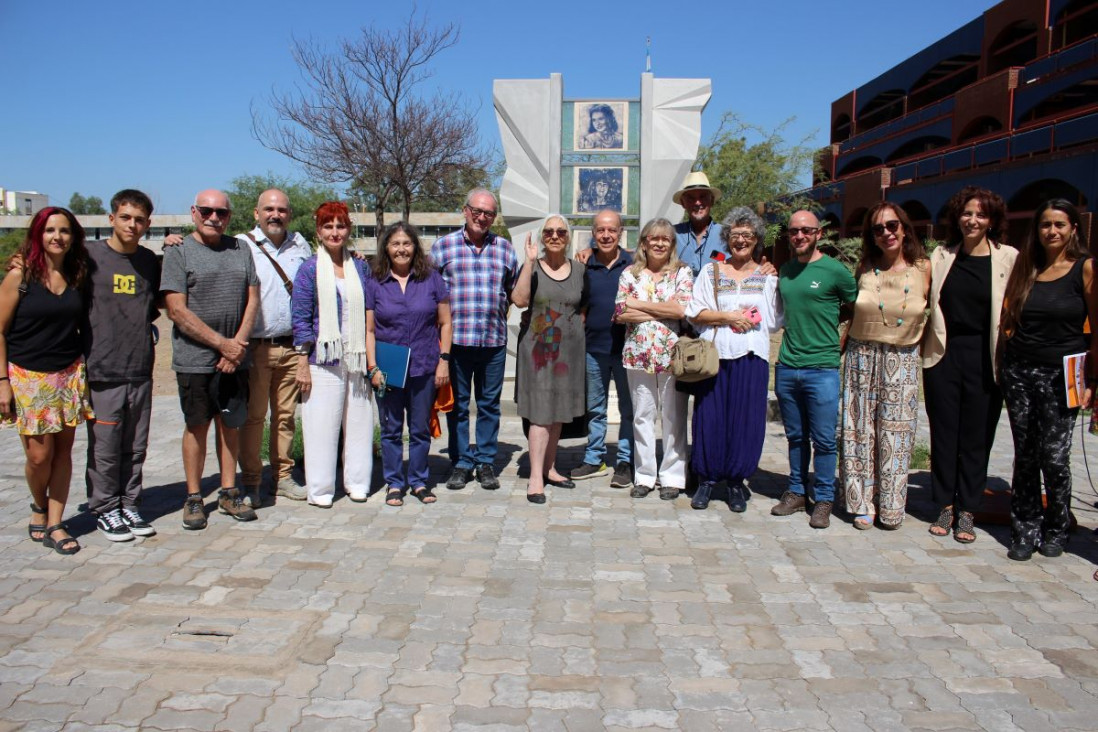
(421, 263)
(33, 251)
(1031, 260)
(912, 249)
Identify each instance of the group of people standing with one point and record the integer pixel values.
(262, 322)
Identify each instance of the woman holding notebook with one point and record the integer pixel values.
(407, 305)
(1049, 296)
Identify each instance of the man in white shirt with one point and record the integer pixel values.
(272, 383)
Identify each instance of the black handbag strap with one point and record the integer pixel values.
(281, 272)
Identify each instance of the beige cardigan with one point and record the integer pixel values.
(941, 259)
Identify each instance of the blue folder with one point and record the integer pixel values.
(393, 362)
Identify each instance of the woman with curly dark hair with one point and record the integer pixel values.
(43, 384)
(968, 281)
(1049, 296)
(880, 387)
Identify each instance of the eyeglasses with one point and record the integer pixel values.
(805, 230)
(741, 236)
(477, 213)
(207, 211)
(658, 239)
(879, 229)
(560, 233)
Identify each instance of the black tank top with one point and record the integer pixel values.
(1052, 320)
(45, 331)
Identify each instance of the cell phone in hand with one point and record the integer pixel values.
(752, 313)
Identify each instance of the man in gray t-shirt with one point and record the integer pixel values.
(212, 295)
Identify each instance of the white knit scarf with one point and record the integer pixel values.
(329, 345)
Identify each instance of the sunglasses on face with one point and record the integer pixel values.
(207, 211)
(477, 213)
(892, 226)
(805, 230)
(560, 233)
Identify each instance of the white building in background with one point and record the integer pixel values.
(26, 203)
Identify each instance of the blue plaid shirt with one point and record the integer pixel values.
(480, 286)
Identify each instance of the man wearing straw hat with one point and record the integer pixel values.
(698, 238)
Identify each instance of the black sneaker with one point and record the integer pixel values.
(486, 476)
(111, 525)
(737, 497)
(137, 525)
(231, 502)
(194, 512)
(459, 478)
(587, 470)
(623, 476)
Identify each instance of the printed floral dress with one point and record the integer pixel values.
(648, 345)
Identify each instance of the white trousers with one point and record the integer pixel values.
(651, 392)
(336, 400)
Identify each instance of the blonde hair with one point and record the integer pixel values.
(653, 228)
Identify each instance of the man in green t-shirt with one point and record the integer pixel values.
(813, 286)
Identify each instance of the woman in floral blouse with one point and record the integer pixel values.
(652, 297)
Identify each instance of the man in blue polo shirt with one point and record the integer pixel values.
(604, 346)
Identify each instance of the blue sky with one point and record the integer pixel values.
(156, 95)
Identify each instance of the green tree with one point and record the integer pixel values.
(90, 205)
(758, 168)
(10, 243)
(304, 197)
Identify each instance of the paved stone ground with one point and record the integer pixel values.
(592, 612)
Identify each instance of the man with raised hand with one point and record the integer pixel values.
(277, 253)
(604, 344)
(813, 287)
(212, 295)
(123, 286)
(480, 269)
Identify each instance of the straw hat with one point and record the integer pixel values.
(693, 182)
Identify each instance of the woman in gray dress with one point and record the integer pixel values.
(550, 345)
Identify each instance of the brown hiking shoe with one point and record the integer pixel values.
(789, 504)
(821, 515)
(231, 502)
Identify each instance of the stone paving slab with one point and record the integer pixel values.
(484, 612)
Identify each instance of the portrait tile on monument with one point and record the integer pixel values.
(601, 125)
(599, 188)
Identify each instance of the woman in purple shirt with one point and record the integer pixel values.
(408, 304)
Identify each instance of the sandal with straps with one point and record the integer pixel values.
(395, 497)
(65, 545)
(424, 495)
(944, 522)
(39, 529)
(965, 533)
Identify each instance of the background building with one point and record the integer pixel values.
(1008, 101)
(26, 203)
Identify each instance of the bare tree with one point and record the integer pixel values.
(357, 116)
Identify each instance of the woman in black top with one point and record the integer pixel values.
(1050, 294)
(43, 385)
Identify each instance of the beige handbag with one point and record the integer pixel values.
(695, 359)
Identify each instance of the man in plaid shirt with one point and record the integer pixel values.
(480, 268)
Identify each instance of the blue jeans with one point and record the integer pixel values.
(415, 401)
(809, 401)
(599, 371)
(479, 371)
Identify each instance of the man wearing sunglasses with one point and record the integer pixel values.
(813, 287)
(212, 295)
(480, 269)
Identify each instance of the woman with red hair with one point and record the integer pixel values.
(43, 385)
(329, 323)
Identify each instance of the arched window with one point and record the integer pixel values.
(840, 129)
(945, 78)
(1015, 46)
(979, 127)
(886, 106)
(1076, 21)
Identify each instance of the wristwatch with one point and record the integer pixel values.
(304, 349)
(445, 357)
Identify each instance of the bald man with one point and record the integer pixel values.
(604, 342)
(212, 294)
(813, 287)
(277, 254)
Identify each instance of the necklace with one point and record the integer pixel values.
(880, 300)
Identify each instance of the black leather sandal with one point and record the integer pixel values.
(66, 545)
(39, 529)
(424, 495)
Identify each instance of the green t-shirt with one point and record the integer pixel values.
(811, 296)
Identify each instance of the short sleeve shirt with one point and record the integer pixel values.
(215, 280)
(409, 318)
(693, 254)
(811, 296)
(122, 291)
